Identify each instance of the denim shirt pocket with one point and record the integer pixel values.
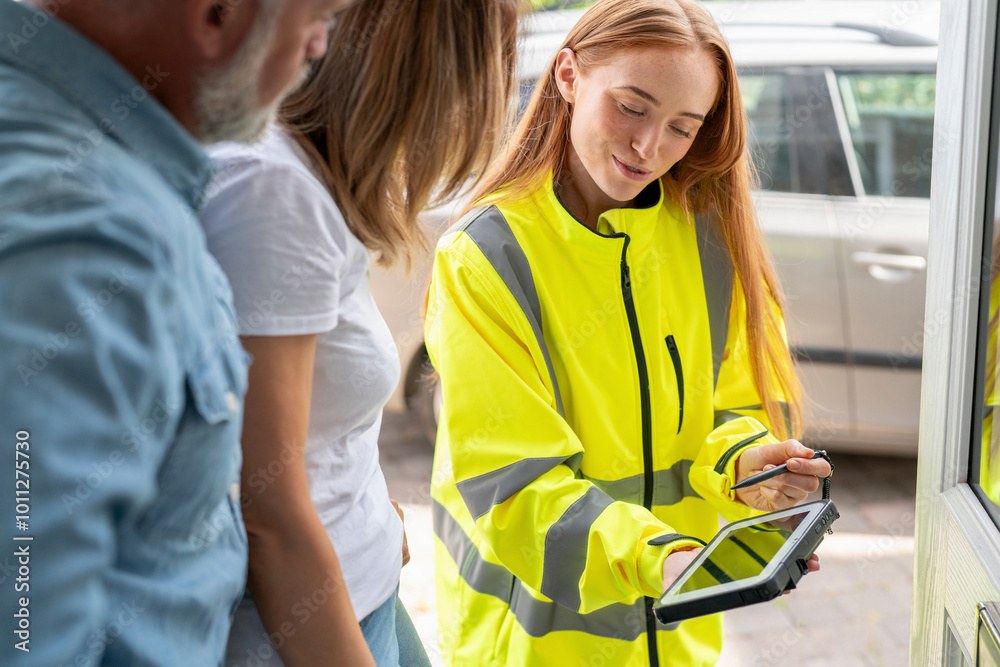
(198, 477)
(216, 387)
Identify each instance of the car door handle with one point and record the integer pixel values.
(889, 261)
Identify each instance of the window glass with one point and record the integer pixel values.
(794, 138)
(984, 464)
(765, 98)
(891, 120)
(525, 87)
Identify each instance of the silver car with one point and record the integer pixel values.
(840, 99)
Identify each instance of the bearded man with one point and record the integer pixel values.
(122, 374)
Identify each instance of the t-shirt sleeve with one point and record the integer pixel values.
(282, 242)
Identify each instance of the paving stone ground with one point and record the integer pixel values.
(855, 612)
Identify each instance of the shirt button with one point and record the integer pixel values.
(234, 492)
(232, 402)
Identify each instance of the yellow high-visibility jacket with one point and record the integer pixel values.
(989, 452)
(596, 395)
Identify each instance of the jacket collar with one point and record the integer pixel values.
(638, 223)
(116, 102)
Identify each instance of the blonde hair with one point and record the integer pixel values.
(409, 100)
(714, 177)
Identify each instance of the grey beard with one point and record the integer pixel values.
(225, 101)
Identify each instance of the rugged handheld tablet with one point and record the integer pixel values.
(749, 561)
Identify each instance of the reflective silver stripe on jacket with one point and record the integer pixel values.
(495, 487)
(723, 416)
(536, 617)
(717, 276)
(565, 557)
(489, 230)
(670, 486)
(481, 493)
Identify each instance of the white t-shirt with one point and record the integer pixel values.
(296, 269)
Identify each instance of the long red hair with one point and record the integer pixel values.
(715, 177)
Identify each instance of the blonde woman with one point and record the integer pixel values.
(608, 332)
(393, 118)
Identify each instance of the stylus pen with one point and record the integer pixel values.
(768, 474)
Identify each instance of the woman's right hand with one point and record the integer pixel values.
(783, 491)
(676, 562)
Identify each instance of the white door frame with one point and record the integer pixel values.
(957, 559)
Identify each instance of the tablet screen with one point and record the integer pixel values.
(749, 561)
(743, 554)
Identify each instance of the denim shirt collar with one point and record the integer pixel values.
(119, 104)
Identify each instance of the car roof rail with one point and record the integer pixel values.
(887, 35)
(890, 36)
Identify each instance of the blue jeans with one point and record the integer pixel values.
(391, 636)
(388, 630)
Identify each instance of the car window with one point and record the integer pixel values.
(525, 87)
(794, 138)
(891, 120)
(766, 99)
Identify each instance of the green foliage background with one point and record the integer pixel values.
(558, 4)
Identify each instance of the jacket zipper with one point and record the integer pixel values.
(640, 358)
(675, 356)
(647, 433)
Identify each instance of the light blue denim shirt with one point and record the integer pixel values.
(120, 369)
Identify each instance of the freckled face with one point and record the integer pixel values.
(633, 118)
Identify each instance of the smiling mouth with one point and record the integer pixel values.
(630, 168)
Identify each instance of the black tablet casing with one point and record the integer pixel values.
(784, 577)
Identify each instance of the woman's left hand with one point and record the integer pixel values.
(812, 565)
(406, 548)
(676, 562)
(786, 490)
